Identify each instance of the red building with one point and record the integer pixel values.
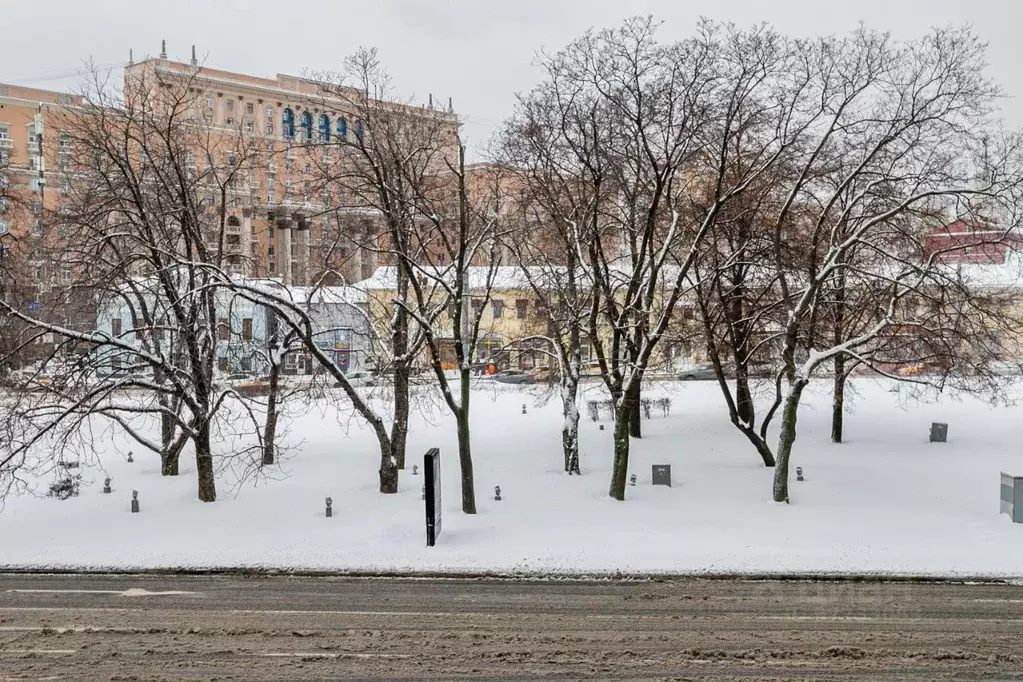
(966, 241)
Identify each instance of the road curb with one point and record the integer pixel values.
(515, 576)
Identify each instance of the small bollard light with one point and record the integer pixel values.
(106, 484)
(330, 510)
(497, 493)
(632, 479)
(799, 474)
(134, 502)
(415, 470)
(129, 456)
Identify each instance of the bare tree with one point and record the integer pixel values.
(649, 127)
(904, 140)
(386, 154)
(549, 237)
(146, 243)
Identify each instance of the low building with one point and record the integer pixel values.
(245, 332)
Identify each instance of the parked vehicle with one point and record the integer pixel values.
(705, 371)
(512, 376)
(702, 372)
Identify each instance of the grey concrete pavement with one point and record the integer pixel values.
(288, 628)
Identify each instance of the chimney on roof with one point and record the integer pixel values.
(451, 105)
(131, 57)
(163, 49)
(195, 62)
(431, 100)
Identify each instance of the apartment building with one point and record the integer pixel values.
(287, 219)
(290, 219)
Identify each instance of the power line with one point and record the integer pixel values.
(55, 75)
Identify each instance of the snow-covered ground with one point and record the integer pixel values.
(887, 501)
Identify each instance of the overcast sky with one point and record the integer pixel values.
(479, 52)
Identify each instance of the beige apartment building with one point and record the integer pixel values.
(286, 218)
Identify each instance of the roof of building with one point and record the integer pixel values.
(500, 277)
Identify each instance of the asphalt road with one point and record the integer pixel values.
(283, 628)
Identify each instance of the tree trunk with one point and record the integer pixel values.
(169, 455)
(838, 400)
(402, 366)
(399, 428)
(388, 472)
(570, 427)
(204, 463)
(270, 428)
(635, 412)
(743, 396)
(620, 470)
(786, 439)
(465, 461)
(838, 397)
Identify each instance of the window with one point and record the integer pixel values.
(250, 108)
(65, 141)
(308, 168)
(234, 240)
(209, 101)
(269, 113)
(342, 128)
(65, 274)
(498, 306)
(247, 329)
(307, 127)
(223, 329)
(324, 128)
(222, 363)
(271, 197)
(325, 157)
(37, 207)
(229, 121)
(246, 363)
(358, 131)
(477, 307)
(287, 189)
(269, 128)
(270, 250)
(115, 324)
(5, 133)
(521, 308)
(232, 221)
(249, 125)
(289, 163)
(288, 124)
(229, 104)
(273, 267)
(325, 196)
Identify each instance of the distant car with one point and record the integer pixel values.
(512, 376)
(362, 378)
(705, 371)
(702, 372)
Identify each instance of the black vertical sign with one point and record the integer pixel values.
(431, 466)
